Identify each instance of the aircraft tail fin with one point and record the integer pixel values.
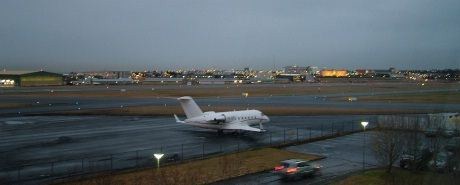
(191, 109)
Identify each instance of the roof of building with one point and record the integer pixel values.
(18, 72)
(112, 80)
(215, 79)
(162, 79)
(28, 73)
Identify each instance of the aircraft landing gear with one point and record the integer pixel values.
(220, 132)
(238, 132)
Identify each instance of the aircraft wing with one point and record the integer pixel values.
(240, 126)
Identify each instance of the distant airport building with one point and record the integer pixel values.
(334, 73)
(362, 72)
(312, 70)
(218, 81)
(106, 74)
(290, 78)
(117, 81)
(282, 80)
(297, 74)
(295, 70)
(30, 78)
(163, 81)
(383, 73)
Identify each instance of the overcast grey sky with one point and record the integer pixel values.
(78, 35)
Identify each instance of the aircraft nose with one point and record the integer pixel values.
(266, 118)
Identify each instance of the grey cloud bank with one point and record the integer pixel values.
(145, 34)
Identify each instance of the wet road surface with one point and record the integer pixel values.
(343, 155)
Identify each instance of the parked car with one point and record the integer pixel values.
(417, 160)
(450, 133)
(172, 157)
(406, 161)
(296, 169)
(443, 162)
(440, 162)
(432, 132)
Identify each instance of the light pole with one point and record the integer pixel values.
(158, 157)
(364, 124)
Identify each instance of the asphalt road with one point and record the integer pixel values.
(343, 155)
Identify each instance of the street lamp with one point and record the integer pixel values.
(364, 124)
(158, 157)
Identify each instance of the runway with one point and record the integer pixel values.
(45, 105)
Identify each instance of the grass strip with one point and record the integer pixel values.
(237, 90)
(398, 177)
(269, 110)
(14, 105)
(202, 171)
(435, 97)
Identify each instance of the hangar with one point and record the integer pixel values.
(334, 73)
(30, 78)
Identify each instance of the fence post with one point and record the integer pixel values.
(284, 136)
(19, 174)
(343, 127)
(111, 162)
(297, 133)
(82, 165)
(52, 168)
(310, 134)
(321, 130)
(202, 151)
(182, 151)
(352, 129)
(332, 129)
(270, 136)
(137, 158)
(238, 146)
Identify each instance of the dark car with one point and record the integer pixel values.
(417, 160)
(172, 157)
(440, 162)
(406, 161)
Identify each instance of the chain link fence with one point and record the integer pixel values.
(138, 159)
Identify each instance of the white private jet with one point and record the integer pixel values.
(220, 121)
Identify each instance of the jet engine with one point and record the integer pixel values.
(218, 119)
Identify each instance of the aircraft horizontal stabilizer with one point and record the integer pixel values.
(177, 119)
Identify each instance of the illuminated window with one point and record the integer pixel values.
(7, 82)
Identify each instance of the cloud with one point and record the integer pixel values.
(145, 34)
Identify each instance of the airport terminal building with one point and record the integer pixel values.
(30, 78)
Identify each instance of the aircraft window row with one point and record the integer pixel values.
(251, 117)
